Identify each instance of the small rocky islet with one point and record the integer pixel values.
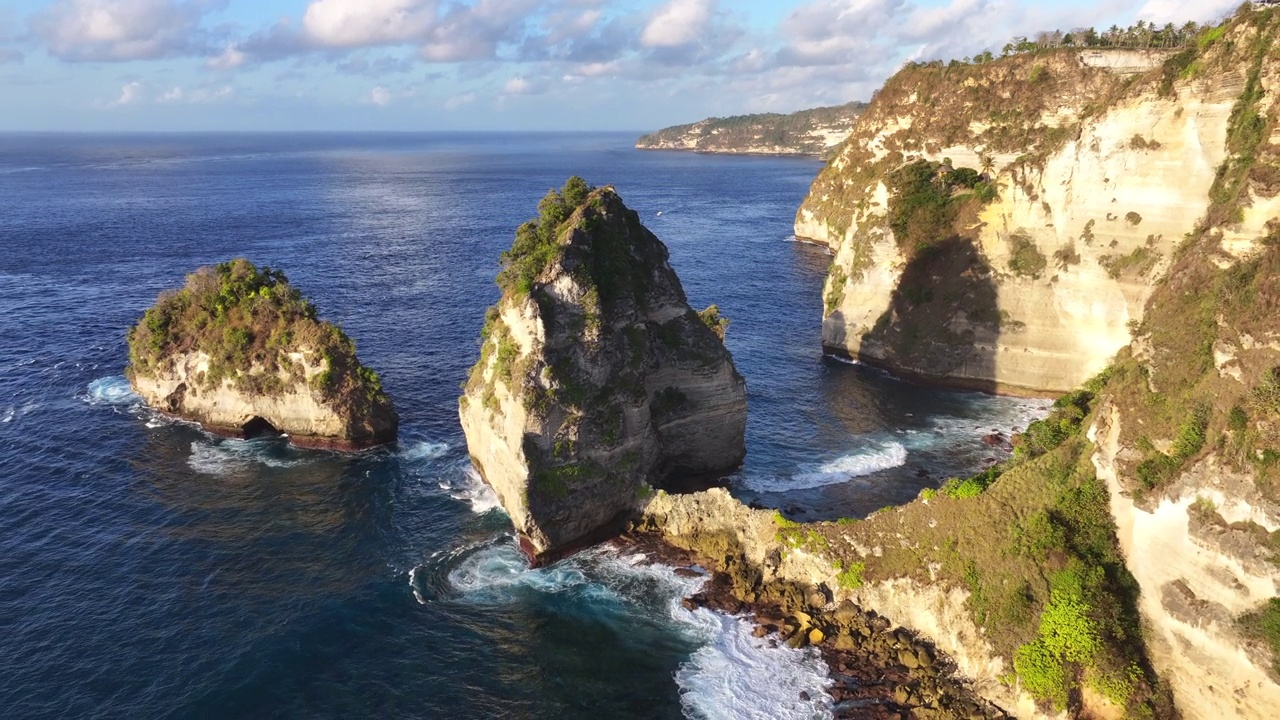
(240, 351)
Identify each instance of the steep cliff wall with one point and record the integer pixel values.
(596, 379)
(1189, 438)
(1095, 177)
(239, 351)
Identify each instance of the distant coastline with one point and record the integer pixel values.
(814, 132)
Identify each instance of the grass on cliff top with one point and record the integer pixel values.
(1034, 544)
(247, 320)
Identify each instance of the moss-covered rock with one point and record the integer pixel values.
(239, 350)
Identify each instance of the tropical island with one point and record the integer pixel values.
(240, 351)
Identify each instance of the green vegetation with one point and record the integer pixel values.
(248, 321)
(1156, 466)
(1137, 263)
(834, 294)
(849, 576)
(557, 481)
(668, 402)
(537, 242)
(1264, 624)
(1247, 129)
(1066, 256)
(924, 202)
(712, 318)
(1025, 259)
(767, 129)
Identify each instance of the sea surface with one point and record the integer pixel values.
(149, 570)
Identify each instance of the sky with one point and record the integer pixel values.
(411, 65)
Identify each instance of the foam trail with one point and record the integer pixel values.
(842, 469)
(113, 390)
(224, 457)
(499, 574)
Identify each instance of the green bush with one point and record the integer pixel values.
(537, 242)
(850, 576)
(1264, 624)
(1025, 259)
(712, 318)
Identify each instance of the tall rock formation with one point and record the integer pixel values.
(241, 352)
(595, 380)
(1031, 273)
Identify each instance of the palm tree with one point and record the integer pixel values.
(987, 164)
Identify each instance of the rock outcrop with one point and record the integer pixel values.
(596, 380)
(240, 351)
(807, 132)
(1082, 180)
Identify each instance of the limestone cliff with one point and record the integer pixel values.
(807, 132)
(595, 378)
(1087, 174)
(239, 351)
(1188, 440)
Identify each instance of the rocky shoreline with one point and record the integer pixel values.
(878, 672)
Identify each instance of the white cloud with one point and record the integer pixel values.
(129, 93)
(679, 22)
(230, 58)
(202, 95)
(116, 30)
(518, 85)
(1180, 11)
(380, 96)
(359, 23)
(459, 101)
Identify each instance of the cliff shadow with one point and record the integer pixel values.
(943, 322)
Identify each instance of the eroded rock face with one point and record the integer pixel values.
(1096, 176)
(239, 351)
(596, 379)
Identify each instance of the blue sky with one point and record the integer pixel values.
(487, 64)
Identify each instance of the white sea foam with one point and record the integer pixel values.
(423, 450)
(732, 675)
(471, 489)
(498, 574)
(224, 457)
(112, 390)
(882, 456)
(737, 676)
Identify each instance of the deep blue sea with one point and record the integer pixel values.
(148, 570)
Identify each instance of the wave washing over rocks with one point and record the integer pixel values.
(111, 390)
(731, 675)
